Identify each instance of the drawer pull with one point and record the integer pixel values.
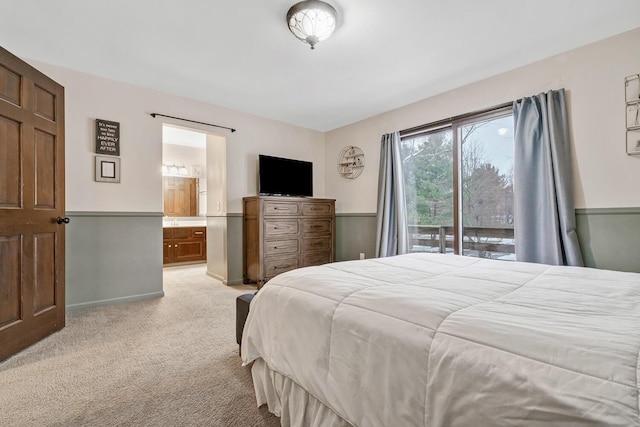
(280, 267)
(281, 209)
(281, 247)
(199, 232)
(316, 226)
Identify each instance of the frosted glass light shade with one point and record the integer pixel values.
(312, 21)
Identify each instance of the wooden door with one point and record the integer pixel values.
(32, 301)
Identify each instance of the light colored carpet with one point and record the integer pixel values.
(171, 361)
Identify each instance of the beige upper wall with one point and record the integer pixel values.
(593, 76)
(604, 176)
(188, 157)
(88, 97)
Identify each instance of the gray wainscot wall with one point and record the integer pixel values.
(610, 238)
(112, 257)
(603, 233)
(355, 234)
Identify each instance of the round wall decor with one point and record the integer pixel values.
(350, 162)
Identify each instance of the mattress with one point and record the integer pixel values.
(444, 340)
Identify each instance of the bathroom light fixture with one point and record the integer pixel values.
(312, 21)
(174, 170)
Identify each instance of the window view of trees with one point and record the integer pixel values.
(486, 188)
(428, 172)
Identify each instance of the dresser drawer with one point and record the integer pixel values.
(279, 265)
(281, 208)
(316, 258)
(275, 247)
(317, 209)
(316, 244)
(317, 226)
(281, 227)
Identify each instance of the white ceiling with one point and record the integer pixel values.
(240, 54)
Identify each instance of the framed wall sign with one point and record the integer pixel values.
(107, 169)
(107, 137)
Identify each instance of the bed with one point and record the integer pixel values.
(443, 340)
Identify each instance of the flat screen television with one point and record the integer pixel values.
(278, 176)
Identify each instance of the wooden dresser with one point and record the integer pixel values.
(283, 233)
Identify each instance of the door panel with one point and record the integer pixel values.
(44, 103)
(44, 278)
(45, 160)
(9, 85)
(32, 302)
(10, 159)
(10, 275)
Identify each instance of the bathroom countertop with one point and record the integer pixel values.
(180, 223)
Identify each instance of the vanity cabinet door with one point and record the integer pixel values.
(167, 246)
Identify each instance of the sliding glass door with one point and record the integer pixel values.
(428, 170)
(459, 186)
(486, 187)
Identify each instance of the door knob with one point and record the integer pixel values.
(60, 220)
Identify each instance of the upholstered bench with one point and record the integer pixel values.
(242, 311)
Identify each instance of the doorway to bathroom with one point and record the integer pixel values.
(194, 196)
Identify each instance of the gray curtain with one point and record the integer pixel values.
(545, 221)
(392, 236)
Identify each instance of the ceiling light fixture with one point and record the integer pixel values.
(312, 21)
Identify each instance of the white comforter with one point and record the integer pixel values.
(443, 340)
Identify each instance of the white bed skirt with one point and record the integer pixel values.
(289, 401)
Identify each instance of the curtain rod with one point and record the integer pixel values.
(192, 121)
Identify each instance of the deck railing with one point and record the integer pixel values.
(485, 241)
